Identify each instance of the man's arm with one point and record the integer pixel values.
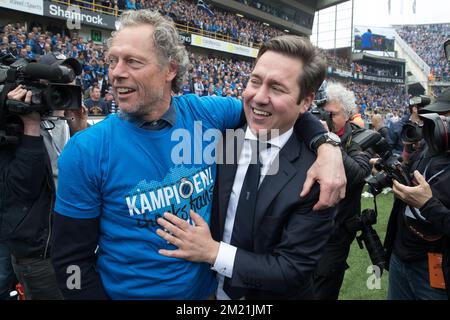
(25, 173)
(285, 268)
(73, 254)
(328, 169)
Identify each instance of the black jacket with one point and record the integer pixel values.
(436, 211)
(26, 195)
(288, 236)
(357, 168)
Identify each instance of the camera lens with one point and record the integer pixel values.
(411, 132)
(379, 181)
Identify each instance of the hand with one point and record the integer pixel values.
(373, 162)
(31, 121)
(325, 125)
(328, 170)
(414, 196)
(194, 242)
(77, 119)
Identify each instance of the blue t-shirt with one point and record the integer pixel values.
(125, 175)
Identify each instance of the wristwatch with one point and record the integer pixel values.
(328, 137)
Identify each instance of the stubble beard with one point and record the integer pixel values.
(151, 99)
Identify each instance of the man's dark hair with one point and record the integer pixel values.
(314, 63)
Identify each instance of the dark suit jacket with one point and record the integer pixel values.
(288, 235)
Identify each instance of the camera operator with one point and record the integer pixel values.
(417, 238)
(28, 173)
(330, 272)
(412, 130)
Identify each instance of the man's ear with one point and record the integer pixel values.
(305, 104)
(172, 71)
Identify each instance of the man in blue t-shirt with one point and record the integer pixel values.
(119, 176)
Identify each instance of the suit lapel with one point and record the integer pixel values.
(273, 184)
(226, 173)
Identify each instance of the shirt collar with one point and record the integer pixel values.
(169, 118)
(278, 141)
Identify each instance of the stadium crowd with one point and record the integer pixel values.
(426, 40)
(207, 76)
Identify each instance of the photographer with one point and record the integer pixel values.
(412, 130)
(418, 231)
(340, 104)
(27, 180)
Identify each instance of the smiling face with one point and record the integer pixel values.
(270, 99)
(141, 82)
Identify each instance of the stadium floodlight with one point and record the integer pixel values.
(447, 49)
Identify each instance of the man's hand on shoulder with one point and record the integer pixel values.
(328, 170)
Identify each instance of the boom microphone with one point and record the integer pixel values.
(41, 71)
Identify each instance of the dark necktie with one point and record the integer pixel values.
(245, 212)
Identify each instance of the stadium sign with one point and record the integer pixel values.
(383, 79)
(29, 6)
(82, 16)
(342, 73)
(185, 37)
(223, 46)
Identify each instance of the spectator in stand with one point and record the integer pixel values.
(102, 83)
(110, 101)
(95, 104)
(198, 87)
(13, 49)
(88, 78)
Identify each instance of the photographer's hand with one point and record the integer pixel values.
(414, 196)
(77, 119)
(31, 121)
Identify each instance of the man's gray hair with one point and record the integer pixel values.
(336, 92)
(165, 39)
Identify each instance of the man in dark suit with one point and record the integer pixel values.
(265, 240)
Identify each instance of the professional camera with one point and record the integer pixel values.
(412, 132)
(317, 107)
(49, 87)
(53, 94)
(388, 165)
(368, 237)
(436, 132)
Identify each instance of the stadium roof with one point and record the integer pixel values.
(322, 4)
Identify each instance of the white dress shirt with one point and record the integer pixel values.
(225, 258)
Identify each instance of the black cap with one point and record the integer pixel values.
(441, 105)
(56, 58)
